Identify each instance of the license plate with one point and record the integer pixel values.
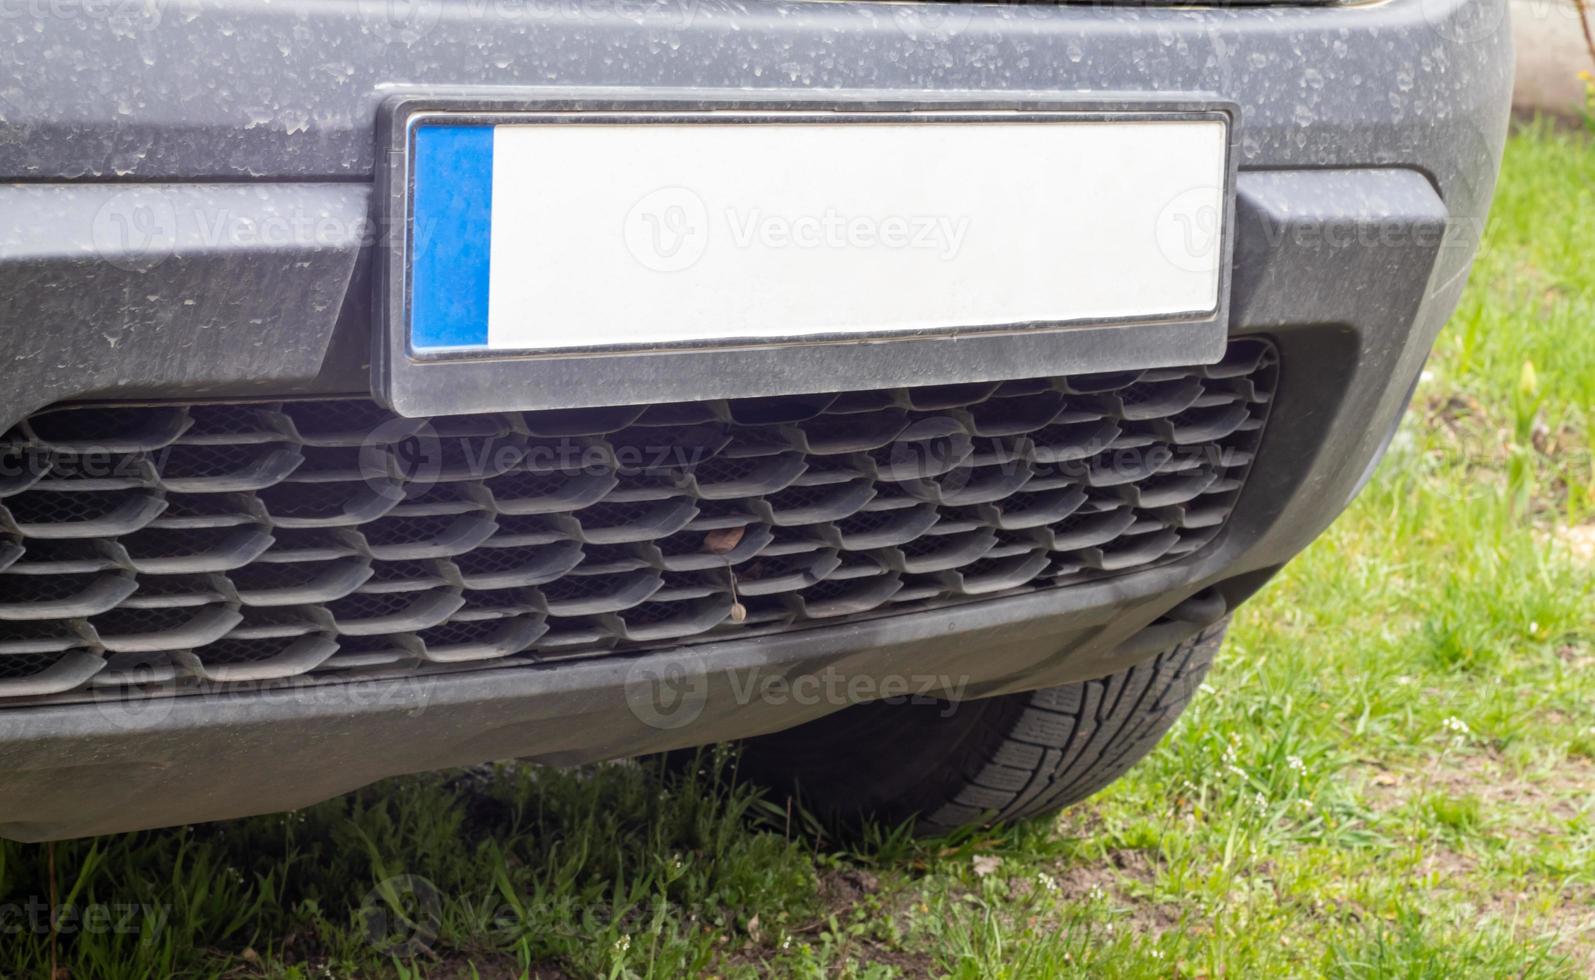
(549, 258)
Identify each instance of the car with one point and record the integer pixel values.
(907, 393)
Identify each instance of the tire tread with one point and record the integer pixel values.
(1072, 741)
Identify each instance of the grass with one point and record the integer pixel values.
(1390, 772)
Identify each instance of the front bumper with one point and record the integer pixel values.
(1369, 138)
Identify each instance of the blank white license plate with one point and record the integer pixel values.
(548, 237)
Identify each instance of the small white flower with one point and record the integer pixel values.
(1296, 765)
(1456, 726)
(622, 944)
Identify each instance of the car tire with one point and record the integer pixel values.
(993, 760)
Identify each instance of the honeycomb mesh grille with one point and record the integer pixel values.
(248, 542)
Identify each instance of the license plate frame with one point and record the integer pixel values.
(425, 382)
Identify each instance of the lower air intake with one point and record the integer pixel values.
(240, 543)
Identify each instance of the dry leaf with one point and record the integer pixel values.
(723, 541)
(987, 864)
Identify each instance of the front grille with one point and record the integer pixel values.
(232, 543)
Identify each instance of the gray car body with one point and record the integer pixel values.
(1369, 138)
